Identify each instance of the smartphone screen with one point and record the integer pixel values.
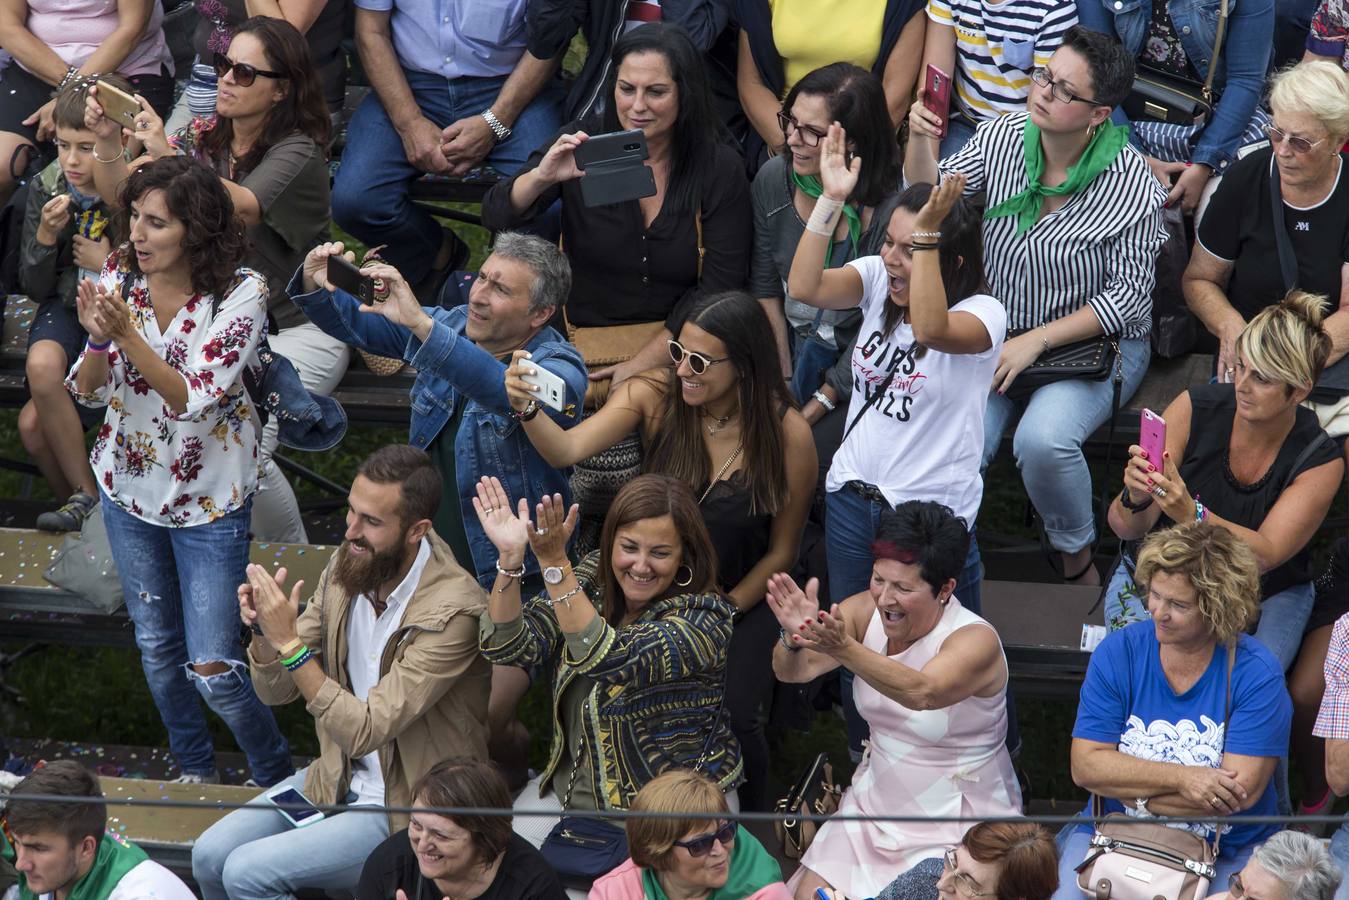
(298, 807)
(1152, 436)
(937, 94)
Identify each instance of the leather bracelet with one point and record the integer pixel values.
(824, 401)
(529, 412)
(1132, 507)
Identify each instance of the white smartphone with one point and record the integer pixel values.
(552, 389)
(294, 806)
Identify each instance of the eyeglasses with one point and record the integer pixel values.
(697, 362)
(244, 74)
(810, 135)
(701, 846)
(966, 885)
(1040, 75)
(1235, 888)
(1296, 144)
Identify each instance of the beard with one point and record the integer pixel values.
(366, 572)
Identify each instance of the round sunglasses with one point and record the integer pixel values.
(698, 363)
(244, 74)
(701, 846)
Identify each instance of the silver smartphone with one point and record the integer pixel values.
(294, 807)
(552, 390)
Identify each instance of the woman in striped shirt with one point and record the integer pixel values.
(1070, 242)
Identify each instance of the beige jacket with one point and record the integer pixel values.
(431, 699)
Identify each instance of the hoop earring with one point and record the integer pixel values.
(687, 581)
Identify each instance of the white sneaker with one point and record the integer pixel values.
(192, 778)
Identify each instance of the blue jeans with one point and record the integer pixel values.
(370, 194)
(1055, 422)
(181, 587)
(959, 130)
(1073, 848)
(1283, 617)
(850, 524)
(1339, 851)
(258, 855)
(812, 358)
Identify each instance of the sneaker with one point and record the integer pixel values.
(69, 517)
(212, 777)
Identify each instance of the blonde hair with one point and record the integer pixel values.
(1222, 570)
(1286, 342)
(1320, 89)
(650, 841)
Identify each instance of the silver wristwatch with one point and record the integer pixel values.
(1141, 807)
(501, 131)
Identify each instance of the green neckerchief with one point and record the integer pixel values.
(1100, 152)
(752, 869)
(116, 857)
(811, 187)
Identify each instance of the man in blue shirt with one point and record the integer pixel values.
(454, 88)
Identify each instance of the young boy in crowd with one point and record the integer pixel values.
(66, 237)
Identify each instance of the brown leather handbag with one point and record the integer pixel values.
(813, 794)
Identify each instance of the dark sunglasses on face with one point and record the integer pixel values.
(244, 74)
(698, 363)
(810, 135)
(701, 846)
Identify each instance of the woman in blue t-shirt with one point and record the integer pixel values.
(1153, 733)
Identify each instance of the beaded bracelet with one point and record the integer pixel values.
(934, 235)
(305, 656)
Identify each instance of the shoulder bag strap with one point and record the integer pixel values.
(698, 231)
(1302, 457)
(1287, 259)
(1217, 51)
(1227, 714)
(876, 396)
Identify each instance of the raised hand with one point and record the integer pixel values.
(149, 131)
(939, 203)
(507, 530)
(838, 174)
(399, 305)
(95, 120)
(276, 611)
(314, 271)
(559, 163)
(86, 309)
(553, 525)
(518, 391)
(793, 607)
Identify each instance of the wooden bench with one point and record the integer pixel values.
(1041, 629)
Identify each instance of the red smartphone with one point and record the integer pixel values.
(937, 94)
(1152, 437)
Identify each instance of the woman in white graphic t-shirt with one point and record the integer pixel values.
(924, 357)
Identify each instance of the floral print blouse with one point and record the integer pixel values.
(170, 469)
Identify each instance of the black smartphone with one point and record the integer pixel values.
(346, 276)
(615, 168)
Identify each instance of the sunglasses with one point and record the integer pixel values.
(701, 846)
(1296, 144)
(244, 74)
(810, 135)
(697, 362)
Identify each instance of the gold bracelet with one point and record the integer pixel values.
(108, 162)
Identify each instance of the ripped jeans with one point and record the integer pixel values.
(181, 587)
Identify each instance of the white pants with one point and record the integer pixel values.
(321, 361)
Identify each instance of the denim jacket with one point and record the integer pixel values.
(1243, 60)
(490, 441)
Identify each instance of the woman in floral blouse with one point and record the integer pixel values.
(172, 323)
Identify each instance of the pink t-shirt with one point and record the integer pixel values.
(75, 29)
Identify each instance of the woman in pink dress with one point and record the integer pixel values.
(931, 682)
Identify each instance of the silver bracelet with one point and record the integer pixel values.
(824, 401)
(786, 643)
(565, 599)
(498, 129)
(934, 235)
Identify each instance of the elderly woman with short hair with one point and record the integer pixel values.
(1235, 269)
(701, 855)
(1155, 732)
(1291, 865)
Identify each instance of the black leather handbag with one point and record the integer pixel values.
(1163, 97)
(813, 794)
(1090, 360)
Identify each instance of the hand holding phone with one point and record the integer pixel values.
(615, 168)
(345, 275)
(552, 390)
(937, 94)
(118, 105)
(1152, 437)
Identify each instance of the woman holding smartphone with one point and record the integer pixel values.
(172, 323)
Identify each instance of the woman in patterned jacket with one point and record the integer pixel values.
(635, 638)
(172, 323)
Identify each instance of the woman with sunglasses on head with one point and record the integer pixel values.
(268, 143)
(721, 422)
(1070, 241)
(695, 853)
(1236, 270)
(172, 323)
(785, 191)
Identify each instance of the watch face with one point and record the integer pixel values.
(552, 574)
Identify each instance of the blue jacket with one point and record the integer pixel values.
(490, 441)
(1242, 64)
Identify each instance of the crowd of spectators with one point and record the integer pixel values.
(835, 299)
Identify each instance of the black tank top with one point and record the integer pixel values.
(740, 536)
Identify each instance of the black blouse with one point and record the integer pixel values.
(624, 272)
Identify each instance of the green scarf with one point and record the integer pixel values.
(811, 187)
(752, 869)
(116, 857)
(1100, 152)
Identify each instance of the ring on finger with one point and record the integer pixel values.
(1159, 492)
(540, 531)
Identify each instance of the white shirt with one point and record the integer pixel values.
(191, 468)
(367, 638)
(147, 881)
(924, 438)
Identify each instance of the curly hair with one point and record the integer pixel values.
(1222, 570)
(215, 241)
